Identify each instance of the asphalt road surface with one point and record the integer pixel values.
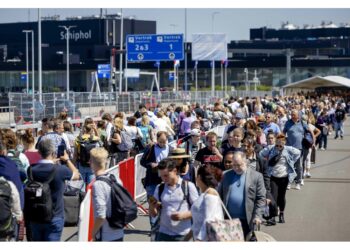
(317, 212)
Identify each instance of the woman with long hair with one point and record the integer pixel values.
(280, 162)
(30, 151)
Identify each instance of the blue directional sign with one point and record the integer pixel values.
(164, 47)
(23, 76)
(103, 70)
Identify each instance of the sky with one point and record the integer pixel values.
(234, 22)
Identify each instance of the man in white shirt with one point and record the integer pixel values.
(173, 199)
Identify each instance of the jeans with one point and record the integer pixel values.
(322, 140)
(165, 237)
(306, 159)
(48, 232)
(86, 174)
(339, 126)
(298, 167)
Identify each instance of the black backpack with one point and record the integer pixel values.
(85, 147)
(38, 206)
(6, 218)
(124, 208)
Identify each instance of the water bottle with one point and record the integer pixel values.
(266, 211)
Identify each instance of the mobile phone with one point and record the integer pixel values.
(152, 199)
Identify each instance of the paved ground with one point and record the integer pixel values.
(318, 212)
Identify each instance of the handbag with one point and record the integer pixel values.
(308, 140)
(225, 230)
(275, 159)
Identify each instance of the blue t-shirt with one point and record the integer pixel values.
(236, 197)
(272, 126)
(9, 170)
(295, 133)
(41, 173)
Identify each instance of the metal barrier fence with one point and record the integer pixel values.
(24, 109)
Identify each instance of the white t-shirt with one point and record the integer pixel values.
(206, 208)
(133, 131)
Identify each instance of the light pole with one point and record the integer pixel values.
(121, 51)
(67, 28)
(39, 58)
(27, 59)
(212, 20)
(213, 62)
(185, 49)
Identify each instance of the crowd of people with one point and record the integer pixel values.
(192, 173)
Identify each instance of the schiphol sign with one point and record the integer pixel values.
(76, 35)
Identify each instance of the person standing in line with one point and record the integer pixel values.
(208, 205)
(243, 193)
(339, 119)
(41, 172)
(281, 159)
(101, 199)
(295, 130)
(173, 201)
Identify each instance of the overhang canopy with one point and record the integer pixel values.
(317, 82)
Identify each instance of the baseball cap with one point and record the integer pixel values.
(195, 132)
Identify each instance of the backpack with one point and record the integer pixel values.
(126, 141)
(124, 208)
(38, 206)
(85, 147)
(6, 218)
(145, 130)
(14, 156)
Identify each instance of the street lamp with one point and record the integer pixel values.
(27, 59)
(121, 51)
(67, 28)
(212, 20)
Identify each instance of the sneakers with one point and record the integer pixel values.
(289, 186)
(301, 183)
(341, 137)
(297, 186)
(308, 175)
(336, 137)
(322, 149)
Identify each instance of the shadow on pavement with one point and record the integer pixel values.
(329, 180)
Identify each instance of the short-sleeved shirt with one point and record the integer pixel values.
(42, 171)
(173, 201)
(228, 148)
(101, 198)
(202, 153)
(295, 133)
(272, 126)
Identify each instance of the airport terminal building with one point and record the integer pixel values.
(309, 51)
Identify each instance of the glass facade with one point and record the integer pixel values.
(81, 80)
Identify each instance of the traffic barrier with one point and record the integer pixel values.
(127, 175)
(140, 172)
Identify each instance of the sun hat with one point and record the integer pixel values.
(178, 153)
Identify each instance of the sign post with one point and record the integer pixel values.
(142, 48)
